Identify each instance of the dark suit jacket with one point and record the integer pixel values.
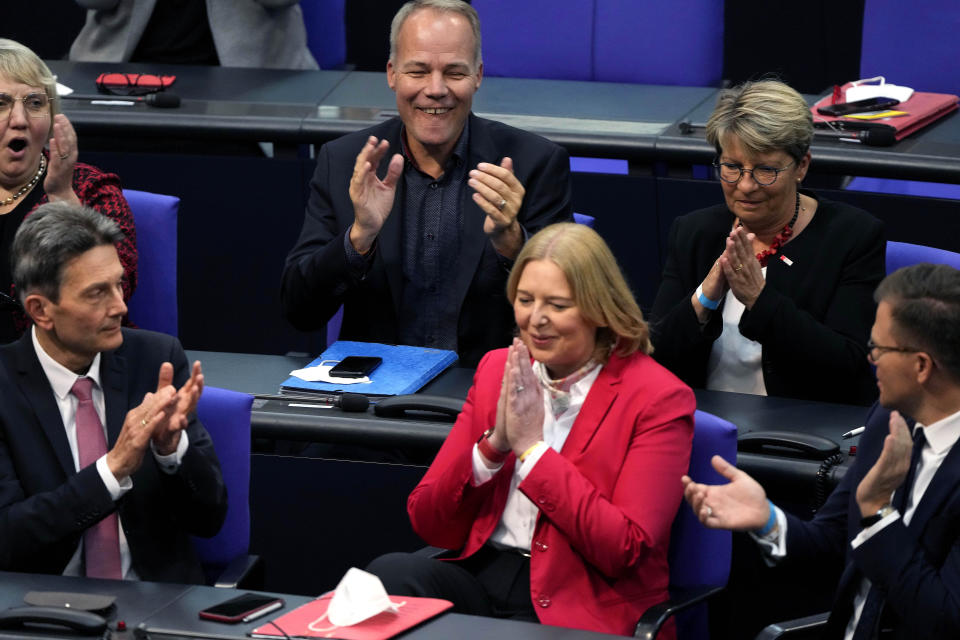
(813, 317)
(917, 567)
(317, 280)
(45, 505)
(607, 499)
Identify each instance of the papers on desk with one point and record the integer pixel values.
(404, 369)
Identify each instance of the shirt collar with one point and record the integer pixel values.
(942, 434)
(457, 157)
(60, 378)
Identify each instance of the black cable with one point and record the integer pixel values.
(823, 476)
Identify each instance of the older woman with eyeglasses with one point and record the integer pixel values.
(770, 293)
(38, 164)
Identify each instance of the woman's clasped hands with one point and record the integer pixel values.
(520, 414)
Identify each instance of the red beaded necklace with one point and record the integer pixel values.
(781, 238)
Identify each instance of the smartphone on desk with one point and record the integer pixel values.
(355, 366)
(243, 608)
(858, 106)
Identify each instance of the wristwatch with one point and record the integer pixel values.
(882, 513)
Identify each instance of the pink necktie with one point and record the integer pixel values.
(101, 542)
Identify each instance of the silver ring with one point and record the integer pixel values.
(143, 422)
(519, 388)
(64, 156)
(709, 512)
(502, 204)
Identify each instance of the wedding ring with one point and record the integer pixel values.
(739, 268)
(64, 156)
(519, 388)
(143, 422)
(709, 512)
(502, 204)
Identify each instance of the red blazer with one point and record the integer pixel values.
(607, 500)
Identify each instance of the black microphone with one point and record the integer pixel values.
(343, 401)
(873, 137)
(161, 100)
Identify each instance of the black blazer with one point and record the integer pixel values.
(813, 317)
(316, 278)
(45, 505)
(917, 567)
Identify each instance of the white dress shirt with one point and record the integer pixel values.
(61, 381)
(940, 438)
(735, 362)
(515, 529)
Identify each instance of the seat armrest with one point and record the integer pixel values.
(798, 628)
(244, 571)
(437, 553)
(653, 618)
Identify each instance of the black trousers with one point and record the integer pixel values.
(491, 582)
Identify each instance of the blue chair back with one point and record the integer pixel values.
(584, 219)
(326, 31)
(226, 416)
(537, 38)
(675, 43)
(912, 43)
(904, 254)
(154, 302)
(700, 556)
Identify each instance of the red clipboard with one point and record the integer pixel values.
(922, 109)
(310, 620)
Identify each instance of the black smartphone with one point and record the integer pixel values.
(243, 608)
(858, 106)
(355, 366)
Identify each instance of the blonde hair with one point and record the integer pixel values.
(765, 116)
(599, 289)
(20, 64)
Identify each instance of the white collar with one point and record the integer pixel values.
(60, 378)
(942, 434)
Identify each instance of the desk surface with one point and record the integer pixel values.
(170, 610)
(636, 122)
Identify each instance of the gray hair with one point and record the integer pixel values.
(21, 65)
(49, 238)
(765, 116)
(443, 6)
(925, 304)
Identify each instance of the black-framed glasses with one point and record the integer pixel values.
(762, 175)
(36, 104)
(876, 351)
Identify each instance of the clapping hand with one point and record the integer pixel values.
(739, 505)
(741, 268)
(890, 469)
(498, 192)
(372, 197)
(166, 435)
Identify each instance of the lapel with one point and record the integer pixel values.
(113, 377)
(36, 389)
(473, 241)
(943, 486)
(595, 408)
(390, 238)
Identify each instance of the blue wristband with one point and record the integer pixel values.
(771, 521)
(705, 301)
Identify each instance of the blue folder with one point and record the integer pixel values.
(404, 369)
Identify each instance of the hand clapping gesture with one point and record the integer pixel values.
(500, 195)
(372, 197)
(520, 407)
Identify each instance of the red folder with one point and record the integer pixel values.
(922, 109)
(310, 620)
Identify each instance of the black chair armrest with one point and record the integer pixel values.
(798, 628)
(435, 552)
(653, 618)
(244, 571)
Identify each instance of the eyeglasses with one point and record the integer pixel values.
(132, 84)
(35, 104)
(876, 351)
(765, 176)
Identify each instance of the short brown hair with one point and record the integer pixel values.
(598, 286)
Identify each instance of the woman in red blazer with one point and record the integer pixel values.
(558, 483)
